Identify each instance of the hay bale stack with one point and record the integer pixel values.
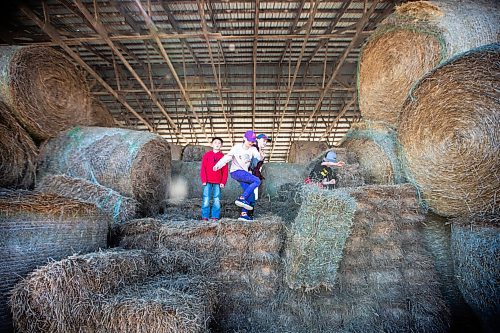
(36, 228)
(45, 91)
(115, 291)
(450, 134)
(176, 152)
(303, 152)
(135, 164)
(316, 238)
(120, 208)
(281, 176)
(373, 145)
(475, 245)
(248, 255)
(19, 153)
(99, 115)
(194, 153)
(412, 41)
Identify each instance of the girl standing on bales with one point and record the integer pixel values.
(240, 156)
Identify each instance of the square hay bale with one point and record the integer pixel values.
(115, 291)
(36, 228)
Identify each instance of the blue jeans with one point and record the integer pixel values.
(248, 183)
(205, 204)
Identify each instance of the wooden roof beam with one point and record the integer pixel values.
(293, 27)
(340, 115)
(254, 60)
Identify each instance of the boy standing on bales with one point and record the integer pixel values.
(324, 174)
(212, 180)
(240, 156)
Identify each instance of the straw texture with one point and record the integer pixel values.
(303, 152)
(193, 153)
(99, 115)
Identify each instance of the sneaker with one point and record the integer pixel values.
(214, 219)
(243, 203)
(204, 219)
(245, 217)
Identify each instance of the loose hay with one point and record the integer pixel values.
(303, 152)
(192, 153)
(316, 239)
(475, 245)
(374, 146)
(135, 164)
(115, 291)
(450, 134)
(99, 115)
(36, 228)
(46, 92)
(411, 42)
(18, 153)
(120, 208)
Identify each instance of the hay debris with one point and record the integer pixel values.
(46, 92)
(120, 208)
(316, 239)
(194, 153)
(135, 164)
(19, 152)
(412, 41)
(450, 136)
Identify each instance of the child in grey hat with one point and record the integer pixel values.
(324, 174)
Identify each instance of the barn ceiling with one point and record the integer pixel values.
(190, 70)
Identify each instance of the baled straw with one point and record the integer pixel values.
(119, 207)
(135, 164)
(192, 153)
(475, 245)
(411, 42)
(278, 175)
(46, 92)
(303, 152)
(450, 134)
(373, 145)
(99, 115)
(35, 228)
(316, 239)
(19, 152)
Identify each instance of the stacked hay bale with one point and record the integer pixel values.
(248, 255)
(475, 245)
(279, 176)
(303, 152)
(120, 208)
(133, 163)
(176, 152)
(19, 153)
(99, 115)
(116, 291)
(454, 159)
(36, 228)
(192, 153)
(412, 41)
(45, 91)
(373, 145)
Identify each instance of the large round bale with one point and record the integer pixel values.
(192, 153)
(176, 151)
(135, 164)
(475, 246)
(303, 152)
(412, 41)
(36, 228)
(99, 115)
(373, 145)
(46, 92)
(114, 204)
(281, 176)
(450, 134)
(18, 152)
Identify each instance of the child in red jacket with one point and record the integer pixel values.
(212, 181)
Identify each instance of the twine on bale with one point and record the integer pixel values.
(18, 152)
(46, 92)
(119, 207)
(316, 239)
(412, 41)
(450, 136)
(135, 164)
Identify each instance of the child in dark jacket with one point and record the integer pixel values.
(212, 180)
(324, 174)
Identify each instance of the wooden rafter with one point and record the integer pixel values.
(340, 115)
(254, 60)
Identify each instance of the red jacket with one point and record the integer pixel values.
(207, 174)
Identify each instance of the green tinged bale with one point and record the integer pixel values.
(279, 177)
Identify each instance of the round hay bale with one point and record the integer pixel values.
(99, 115)
(135, 164)
(475, 246)
(303, 152)
(176, 151)
(193, 153)
(412, 41)
(36, 228)
(46, 92)
(120, 208)
(278, 175)
(373, 146)
(450, 134)
(19, 152)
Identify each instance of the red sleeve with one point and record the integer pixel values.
(203, 172)
(224, 174)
